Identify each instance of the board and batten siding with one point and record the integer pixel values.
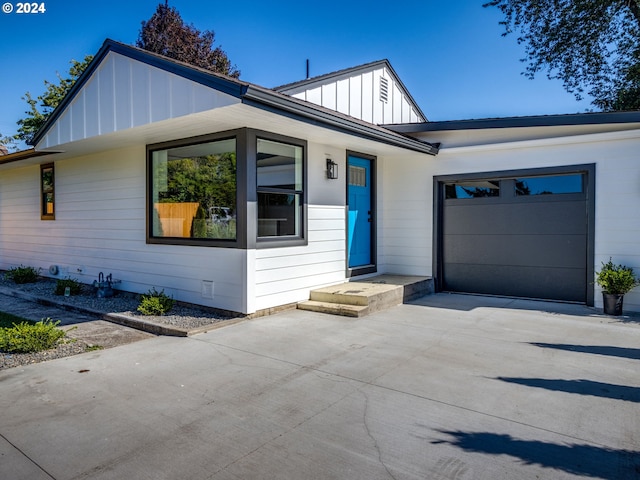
(617, 224)
(358, 94)
(123, 93)
(100, 227)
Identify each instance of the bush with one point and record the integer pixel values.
(28, 337)
(616, 279)
(22, 274)
(75, 287)
(155, 303)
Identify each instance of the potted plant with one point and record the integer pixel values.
(615, 281)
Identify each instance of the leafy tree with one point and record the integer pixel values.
(166, 33)
(41, 107)
(592, 46)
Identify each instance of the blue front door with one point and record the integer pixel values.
(360, 212)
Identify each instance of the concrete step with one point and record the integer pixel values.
(334, 308)
(360, 297)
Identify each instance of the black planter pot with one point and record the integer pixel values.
(612, 303)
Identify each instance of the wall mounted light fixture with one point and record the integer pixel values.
(332, 169)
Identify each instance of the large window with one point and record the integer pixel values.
(194, 191)
(47, 192)
(280, 188)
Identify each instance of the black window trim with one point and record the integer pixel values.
(284, 241)
(246, 191)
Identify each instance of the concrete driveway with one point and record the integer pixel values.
(448, 387)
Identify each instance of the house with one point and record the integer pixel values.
(243, 198)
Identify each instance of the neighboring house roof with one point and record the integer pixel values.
(226, 88)
(350, 90)
(22, 155)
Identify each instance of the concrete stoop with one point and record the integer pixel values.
(361, 297)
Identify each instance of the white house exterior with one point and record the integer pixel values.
(105, 189)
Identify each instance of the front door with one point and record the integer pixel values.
(361, 219)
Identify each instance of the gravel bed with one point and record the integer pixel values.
(124, 303)
(65, 349)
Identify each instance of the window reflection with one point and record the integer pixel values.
(472, 189)
(549, 185)
(280, 188)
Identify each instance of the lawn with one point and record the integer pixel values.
(7, 320)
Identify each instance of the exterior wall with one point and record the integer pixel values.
(286, 275)
(100, 227)
(358, 94)
(123, 93)
(408, 196)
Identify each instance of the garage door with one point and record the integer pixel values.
(523, 235)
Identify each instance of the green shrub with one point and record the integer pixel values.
(22, 274)
(616, 279)
(28, 337)
(75, 287)
(155, 303)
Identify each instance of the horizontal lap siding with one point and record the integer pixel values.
(404, 218)
(286, 275)
(100, 227)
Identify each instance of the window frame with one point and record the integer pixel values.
(44, 215)
(285, 240)
(246, 191)
(240, 240)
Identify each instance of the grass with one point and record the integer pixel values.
(7, 320)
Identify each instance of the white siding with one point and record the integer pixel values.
(100, 227)
(145, 94)
(358, 94)
(405, 235)
(286, 275)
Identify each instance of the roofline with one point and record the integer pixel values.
(247, 93)
(384, 62)
(575, 119)
(300, 110)
(220, 82)
(22, 155)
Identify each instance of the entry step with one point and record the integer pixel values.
(360, 297)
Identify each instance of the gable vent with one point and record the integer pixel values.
(384, 90)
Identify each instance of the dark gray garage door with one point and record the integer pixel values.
(523, 235)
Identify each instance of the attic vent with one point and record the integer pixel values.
(384, 89)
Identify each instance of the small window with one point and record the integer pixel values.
(279, 170)
(193, 191)
(472, 189)
(357, 176)
(549, 185)
(47, 192)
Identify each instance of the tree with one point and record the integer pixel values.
(166, 33)
(41, 107)
(592, 46)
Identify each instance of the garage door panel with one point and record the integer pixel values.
(560, 217)
(518, 250)
(538, 282)
(498, 237)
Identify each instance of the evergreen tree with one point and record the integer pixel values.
(166, 33)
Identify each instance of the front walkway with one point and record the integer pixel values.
(446, 387)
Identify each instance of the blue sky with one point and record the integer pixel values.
(449, 54)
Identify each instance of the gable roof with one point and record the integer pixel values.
(229, 88)
(305, 88)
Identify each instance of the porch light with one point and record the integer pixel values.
(332, 169)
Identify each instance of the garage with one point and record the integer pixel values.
(518, 233)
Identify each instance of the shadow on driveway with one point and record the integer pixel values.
(578, 459)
